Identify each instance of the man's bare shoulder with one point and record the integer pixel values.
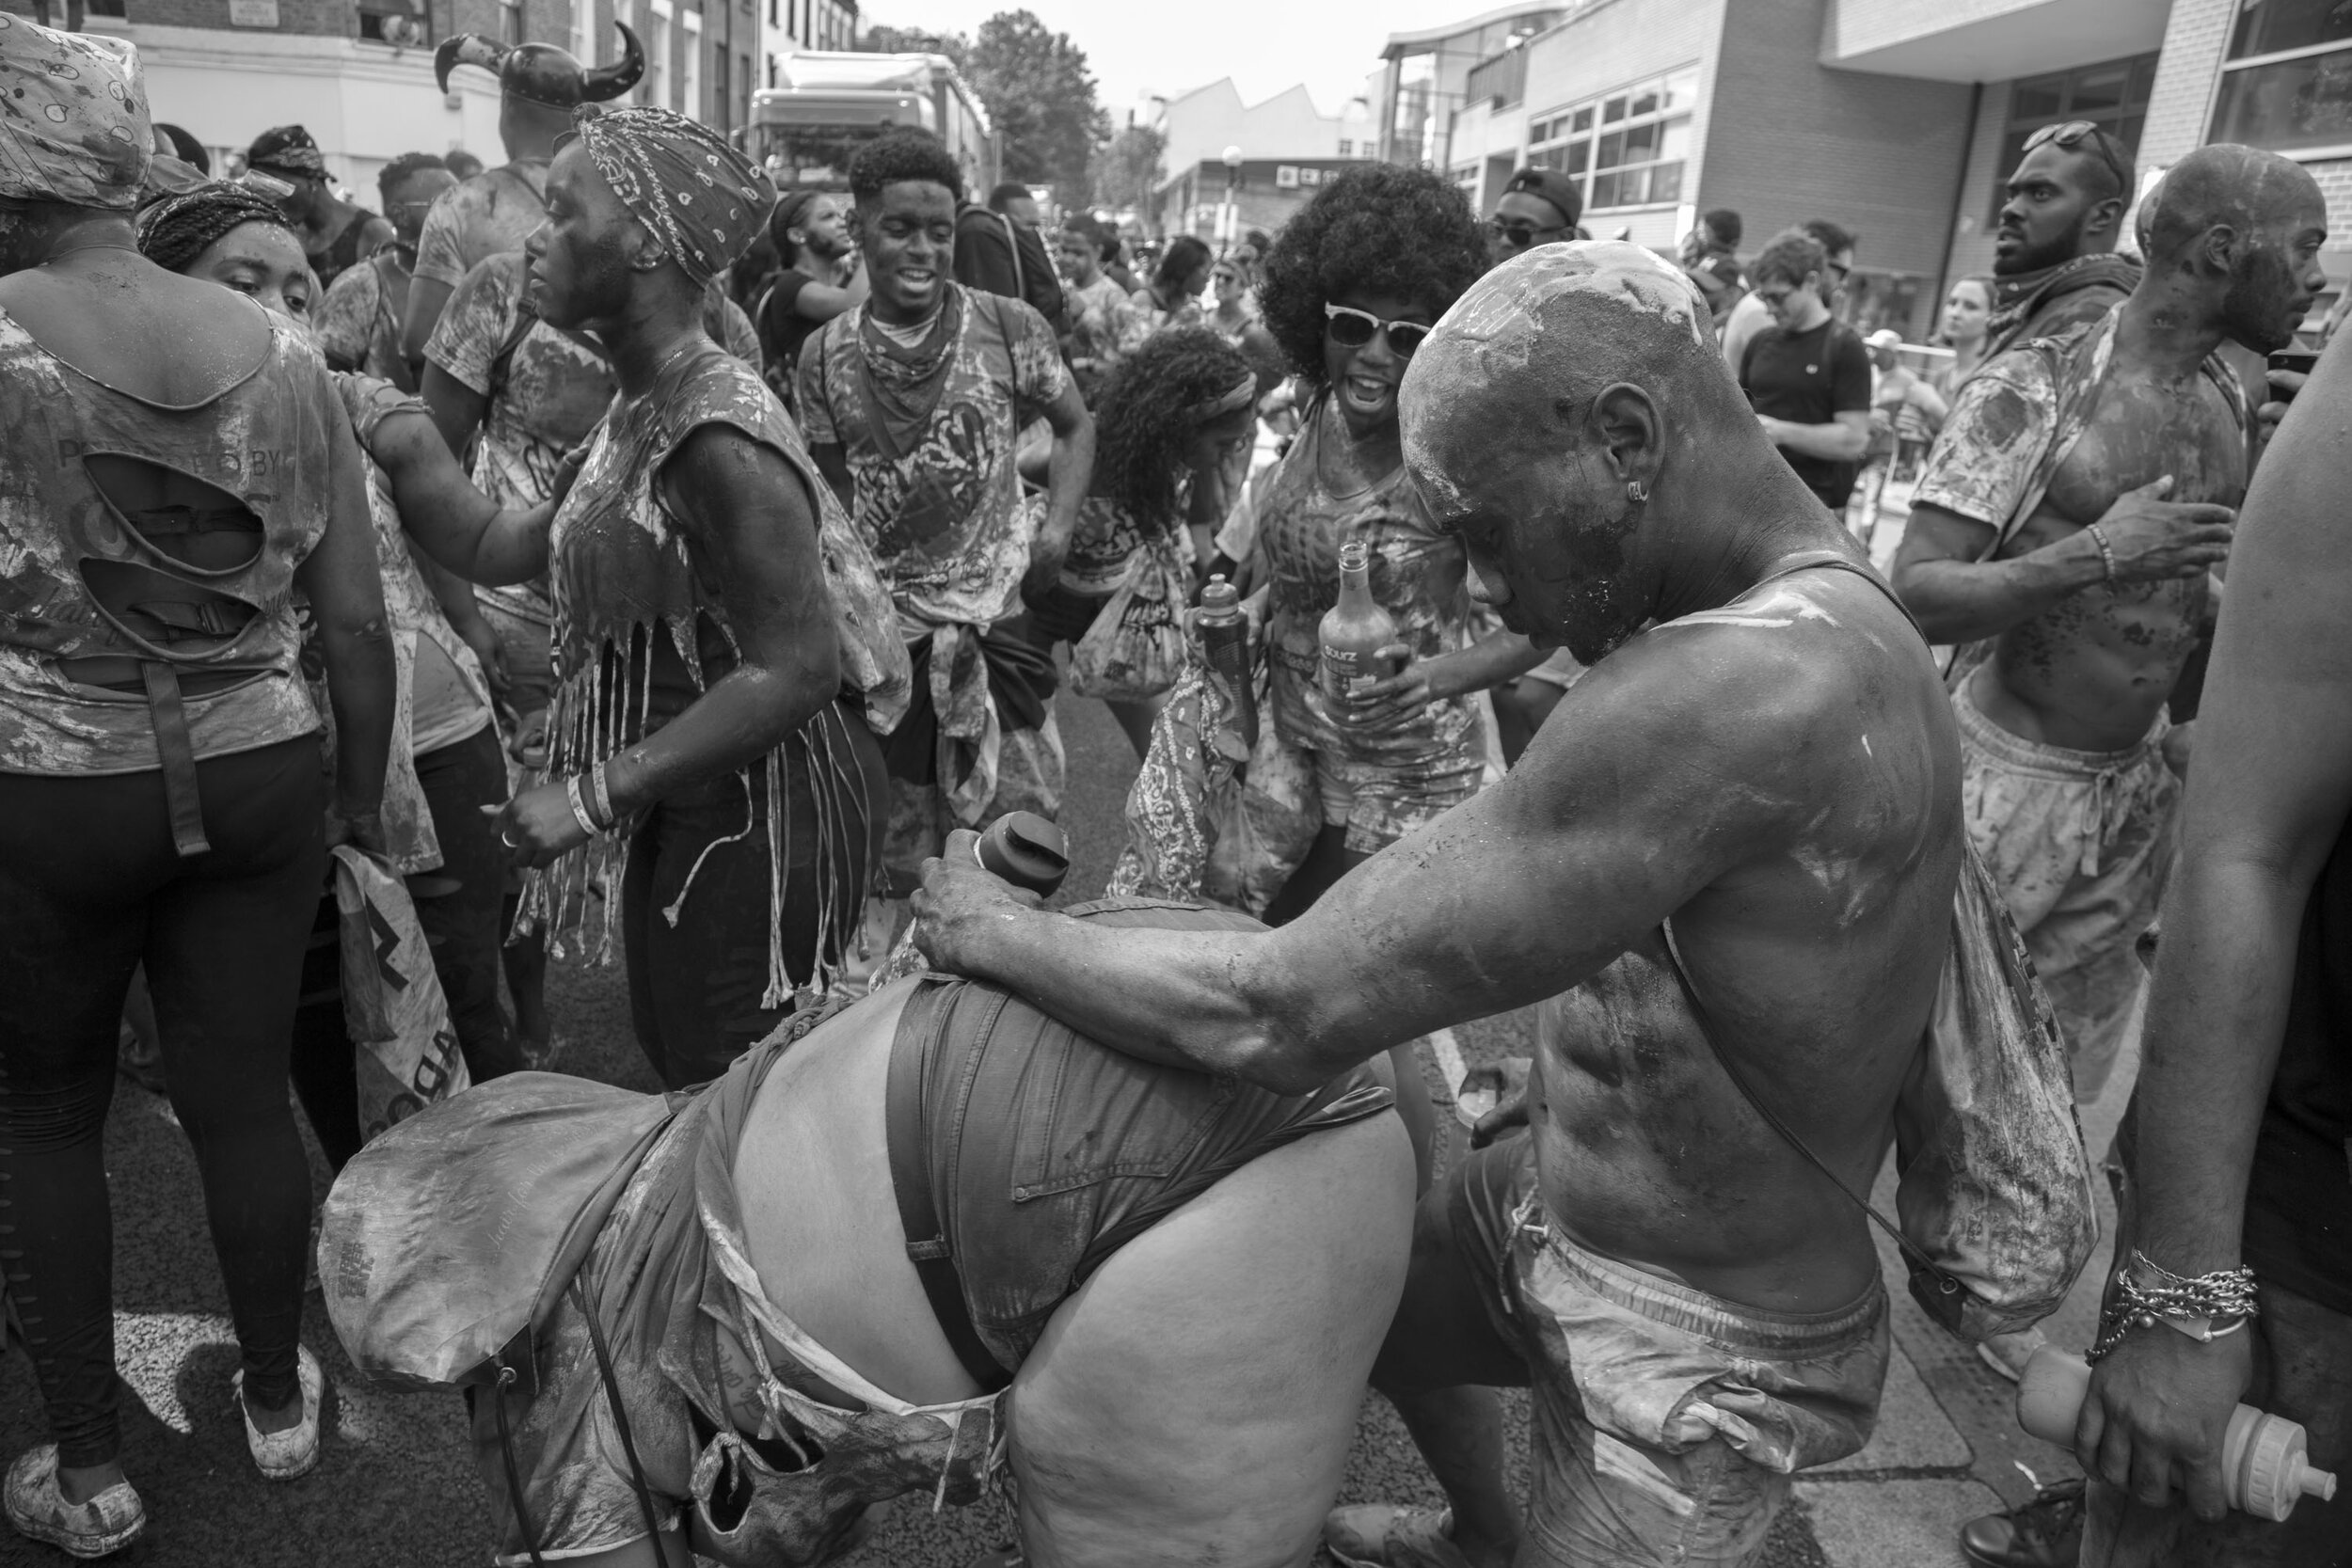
(1777, 693)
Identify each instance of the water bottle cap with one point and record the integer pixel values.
(1025, 850)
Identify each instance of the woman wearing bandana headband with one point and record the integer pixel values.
(720, 637)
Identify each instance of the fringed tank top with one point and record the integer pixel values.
(631, 586)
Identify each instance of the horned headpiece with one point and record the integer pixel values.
(540, 72)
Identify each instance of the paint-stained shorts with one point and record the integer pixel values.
(2079, 843)
(1667, 1422)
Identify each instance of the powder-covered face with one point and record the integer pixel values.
(2277, 277)
(1509, 445)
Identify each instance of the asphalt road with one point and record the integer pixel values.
(396, 1486)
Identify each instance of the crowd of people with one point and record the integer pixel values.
(642, 563)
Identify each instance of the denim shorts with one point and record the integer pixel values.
(1667, 1422)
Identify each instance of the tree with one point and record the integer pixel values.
(1126, 170)
(1042, 98)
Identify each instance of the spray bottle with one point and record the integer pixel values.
(1353, 633)
(2263, 1468)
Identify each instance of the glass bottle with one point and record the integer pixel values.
(1353, 633)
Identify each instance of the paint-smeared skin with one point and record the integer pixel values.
(2104, 661)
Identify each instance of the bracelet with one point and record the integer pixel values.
(2146, 1293)
(2106, 551)
(600, 796)
(580, 807)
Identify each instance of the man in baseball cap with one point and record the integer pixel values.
(1539, 206)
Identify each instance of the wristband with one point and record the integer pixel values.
(579, 807)
(600, 796)
(2106, 552)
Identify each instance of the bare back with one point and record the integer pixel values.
(2092, 671)
(121, 320)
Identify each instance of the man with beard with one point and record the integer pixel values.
(337, 235)
(913, 406)
(811, 233)
(2071, 512)
(1754, 802)
(2054, 266)
(494, 211)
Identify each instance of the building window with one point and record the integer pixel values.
(691, 68)
(2287, 84)
(380, 21)
(657, 68)
(1626, 149)
(2113, 97)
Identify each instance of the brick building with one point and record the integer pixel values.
(359, 73)
(1899, 119)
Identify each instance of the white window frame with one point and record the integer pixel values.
(1664, 115)
(691, 69)
(657, 46)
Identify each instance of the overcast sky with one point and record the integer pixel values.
(1263, 46)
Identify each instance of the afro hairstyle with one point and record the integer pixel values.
(1376, 229)
(1140, 428)
(897, 156)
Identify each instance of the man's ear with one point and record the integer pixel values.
(2218, 249)
(2107, 217)
(1627, 422)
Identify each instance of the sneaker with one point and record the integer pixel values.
(1380, 1535)
(106, 1523)
(2046, 1533)
(2007, 1353)
(290, 1454)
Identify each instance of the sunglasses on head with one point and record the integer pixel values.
(1352, 329)
(2071, 136)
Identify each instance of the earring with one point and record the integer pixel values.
(1636, 492)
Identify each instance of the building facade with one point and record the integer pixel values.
(359, 76)
(787, 25)
(1220, 202)
(1899, 119)
(1285, 145)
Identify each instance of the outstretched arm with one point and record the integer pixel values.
(748, 514)
(1615, 819)
(2267, 802)
(460, 528)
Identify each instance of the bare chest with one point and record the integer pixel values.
(2138, 434)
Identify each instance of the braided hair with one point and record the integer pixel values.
(1144, 418)
(173, 230)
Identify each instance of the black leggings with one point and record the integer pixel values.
(458, 908)
(90, 887)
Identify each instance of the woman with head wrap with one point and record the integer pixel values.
(161, 782)
(447, 764)
(337, 235)
(721, 636)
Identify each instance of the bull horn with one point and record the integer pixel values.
(466, 49)
(599, 83)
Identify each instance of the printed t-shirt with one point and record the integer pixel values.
(487, 215)
(943, 516)
(358, 323)
(1809, 378)
(1105, 327)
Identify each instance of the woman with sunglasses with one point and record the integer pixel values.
(1235, 312)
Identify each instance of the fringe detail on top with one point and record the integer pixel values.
(586, 726)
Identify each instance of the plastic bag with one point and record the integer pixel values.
(1995, 1186)
(392, 1004)
(1137, 646)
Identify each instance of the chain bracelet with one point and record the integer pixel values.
(2226, 1294)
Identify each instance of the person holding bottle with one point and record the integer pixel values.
(1352, 288)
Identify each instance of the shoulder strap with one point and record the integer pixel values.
(1772, 1120)
(919, 1027)
(1012, 243)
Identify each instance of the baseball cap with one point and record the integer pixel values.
(1554, 187)
(1886, 337)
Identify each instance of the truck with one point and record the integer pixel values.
(826, 105)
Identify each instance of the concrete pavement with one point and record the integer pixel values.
(397, 1487)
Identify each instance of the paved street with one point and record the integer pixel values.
(396, 1488)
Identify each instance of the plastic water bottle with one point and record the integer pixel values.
(2264, 1470)
(1225, 640)
(1353, 633)
(1022, 847)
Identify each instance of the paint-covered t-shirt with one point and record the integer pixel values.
(487, 216)
(357, 322)
(1105, 328)
(939, 501)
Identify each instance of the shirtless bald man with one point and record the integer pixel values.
(2075, 502)
(1772, 773)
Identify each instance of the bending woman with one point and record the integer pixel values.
(721, 638)
(162, 793)
(1165, 423)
